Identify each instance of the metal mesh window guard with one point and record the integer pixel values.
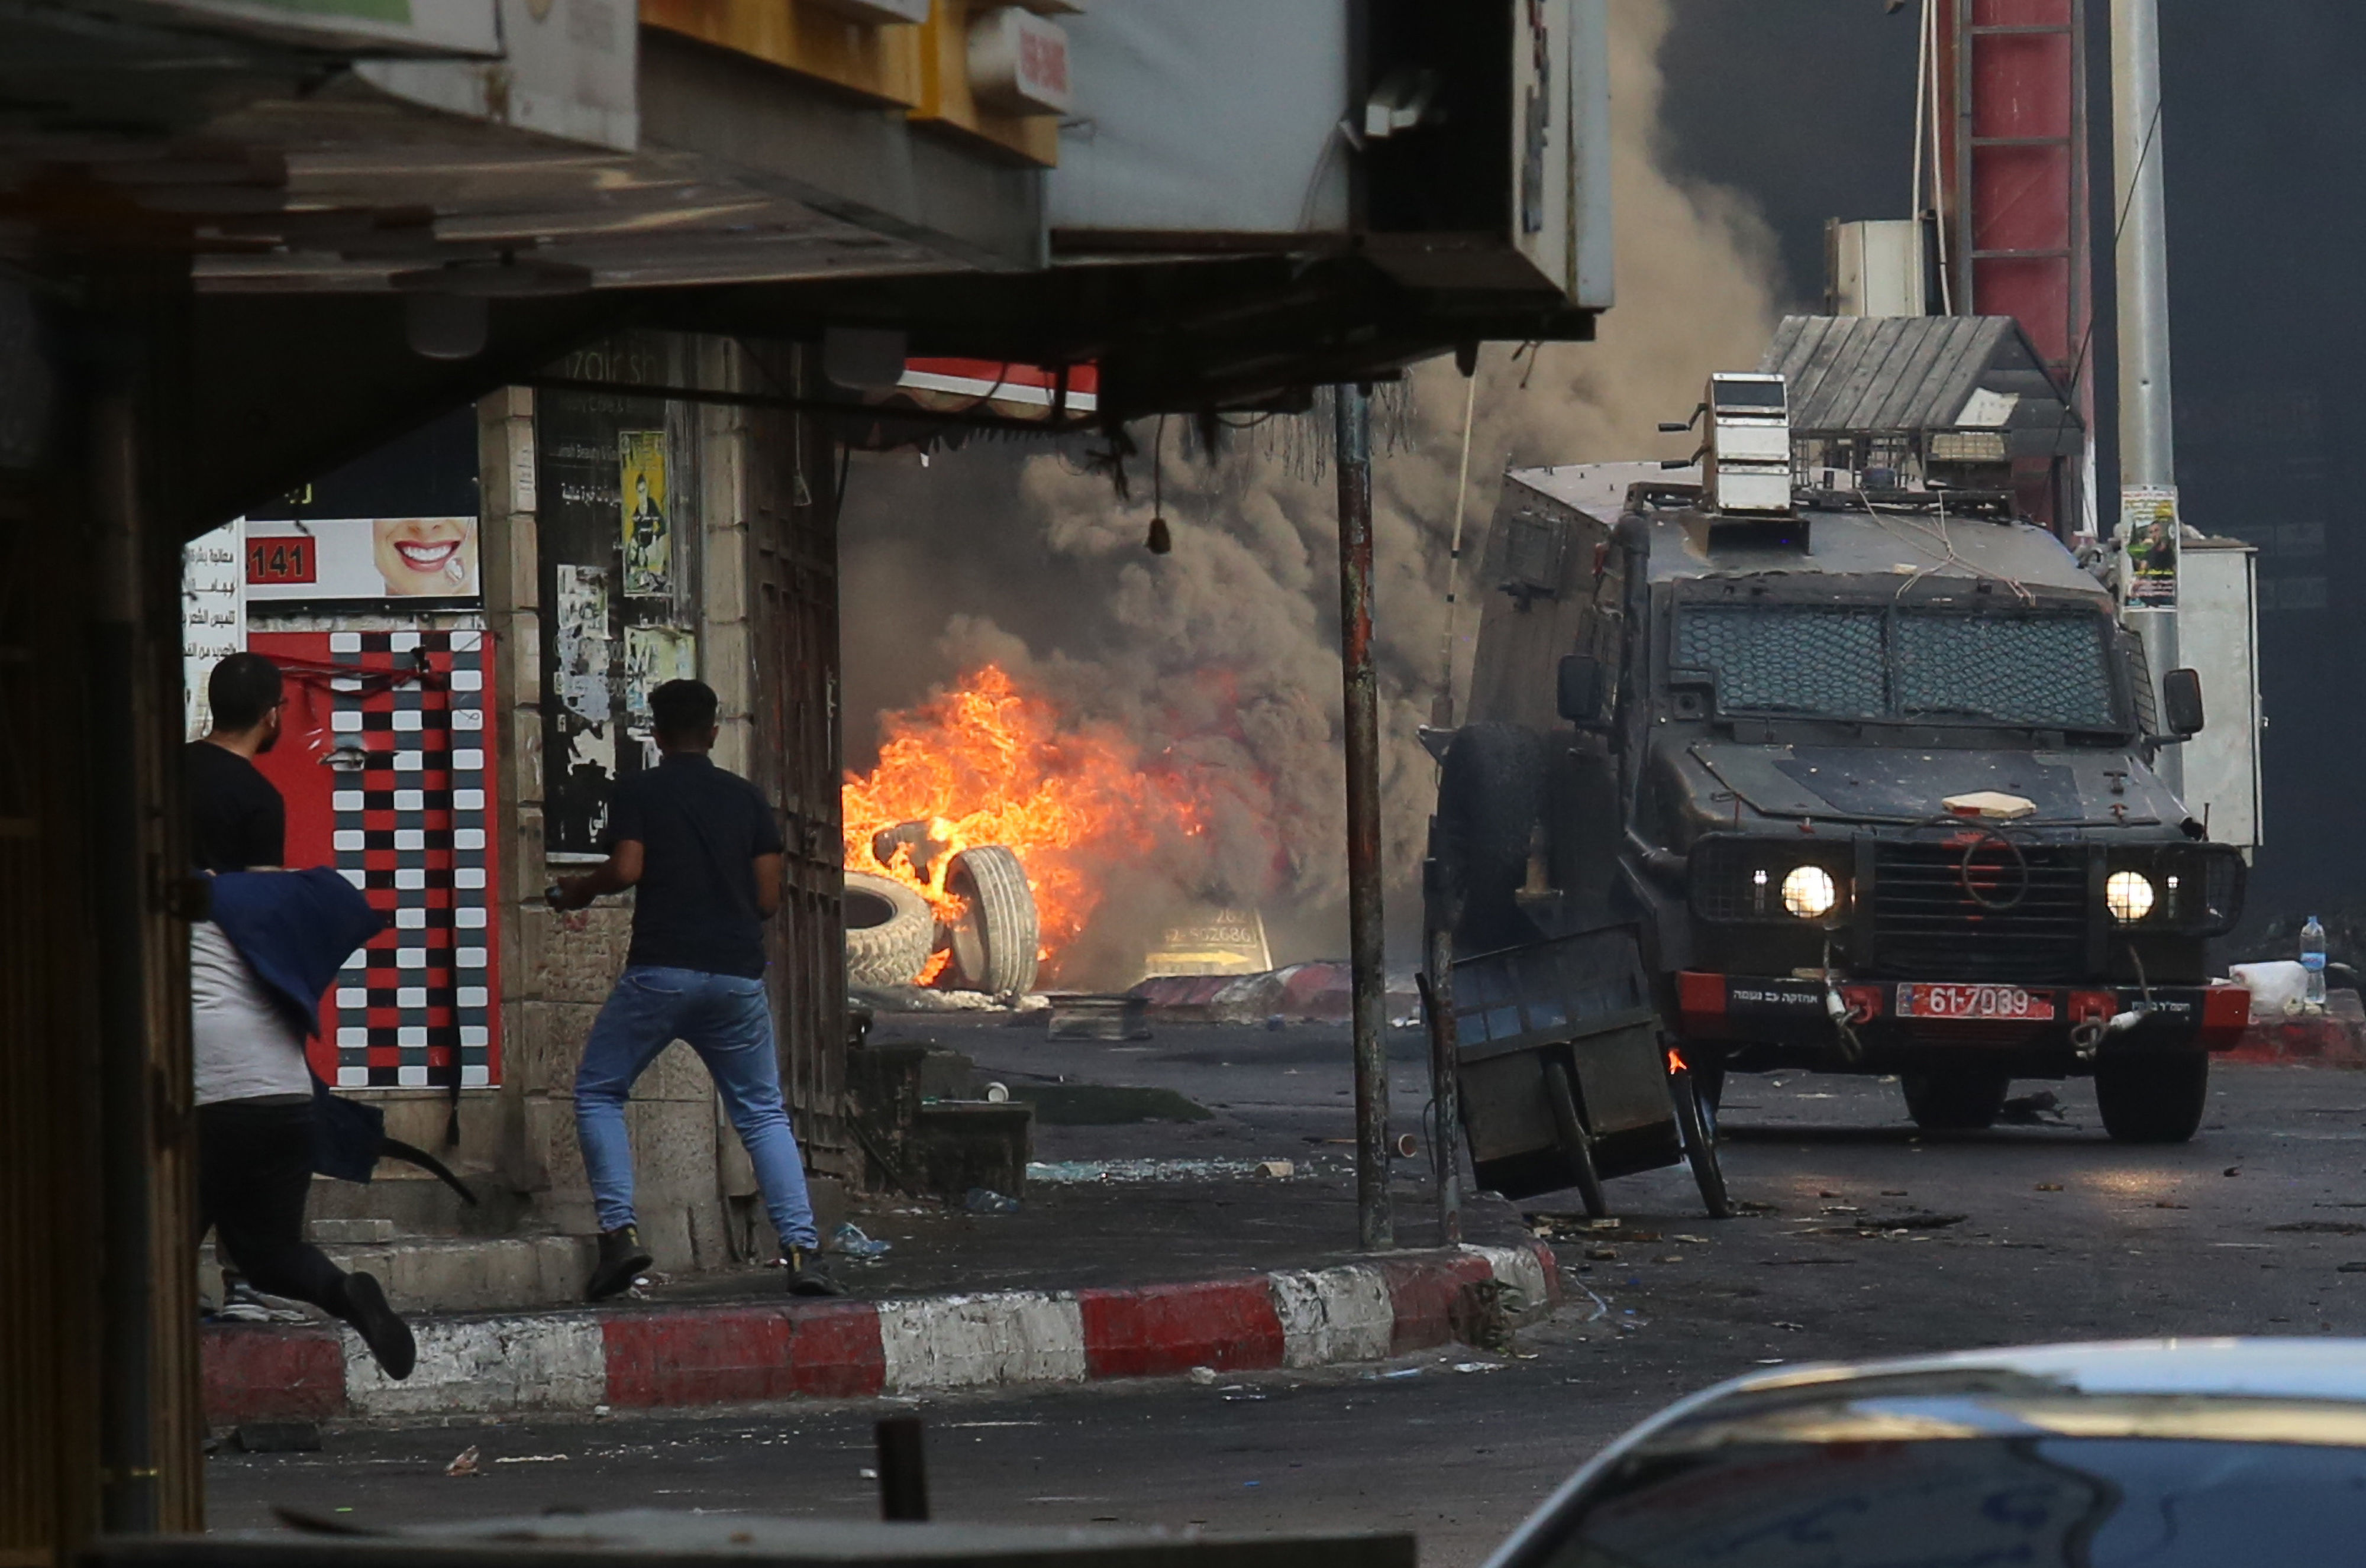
(2045, 670)
(1787, 658)
(1863, 662)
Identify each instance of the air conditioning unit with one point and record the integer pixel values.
(1746, 468)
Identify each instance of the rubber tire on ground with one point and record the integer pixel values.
(2153, 1099)
(997, 939)
(1576, 1143)
(1489, 794)
(1700, 1145)
(1956, 1099)
(889, 930)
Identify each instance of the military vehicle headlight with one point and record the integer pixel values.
(1809, 892)
(2128, 895)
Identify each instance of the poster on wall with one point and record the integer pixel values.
(653, 655)
(647, 535)
(2148, 532)
(417, 562)
(213, 617)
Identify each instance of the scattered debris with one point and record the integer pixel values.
(1893, 1192)
(1478, 1366)
(1601, 1254)
(2165, 1203)
(2042, 1109)
(464, 1462)
(1090, 1173)
(2231, 1170)
(1671, 1258)
(1695, 1240)
(2056, 1186)
(2322, 1227)
(532, 1459)
(987, 1201)
(850, 1240)
(1785, 1323)
(1279, 1170)
(2358, 1267)
(1204, 1376)
(1843, 1209)
(278, 1437)
(1752, 1207)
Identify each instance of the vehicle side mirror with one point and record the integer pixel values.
(1583, 700)
(2180, 702)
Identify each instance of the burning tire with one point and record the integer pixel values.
(889, 930)
(997, 939)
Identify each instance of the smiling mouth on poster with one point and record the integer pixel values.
(409, 562)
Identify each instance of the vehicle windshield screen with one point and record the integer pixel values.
(2034, 1502)
(2042, 670)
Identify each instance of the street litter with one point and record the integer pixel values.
(1279, 1170)
(2352, 1268)
(1088, 1172)
(533, 1459)
(2049, 1186)
(2040, 1109)
(1400, 1372)
(2322, 1228)
(1794, 1328)
(1695, 1240)
(850, 1240)
(1478, 1366)
(866, 1474)
(987, 1201)
(1603, 1254)
(1203, 1376)
(464, 1462)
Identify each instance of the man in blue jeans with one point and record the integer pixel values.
(703, 850)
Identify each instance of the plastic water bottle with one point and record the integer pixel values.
(848, 1240)
(2312, 959)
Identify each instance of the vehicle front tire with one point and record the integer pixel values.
(1955, 1099)
(2153, 1099)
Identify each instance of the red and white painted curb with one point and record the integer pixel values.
(650, 1358)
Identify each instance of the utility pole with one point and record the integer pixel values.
(1361, 694)
(2148, 510)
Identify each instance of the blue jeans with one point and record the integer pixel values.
(727, 1021)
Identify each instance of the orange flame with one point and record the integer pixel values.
(986, 763)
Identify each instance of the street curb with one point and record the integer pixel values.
(674, 1358)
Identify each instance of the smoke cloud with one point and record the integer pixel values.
(1219, 661)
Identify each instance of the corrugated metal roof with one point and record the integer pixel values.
(1900, 373)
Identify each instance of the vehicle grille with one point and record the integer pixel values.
(1927, 926)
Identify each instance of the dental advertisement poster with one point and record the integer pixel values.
(381, 560)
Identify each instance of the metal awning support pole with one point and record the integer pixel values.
(2147, 438)
(1360, 693)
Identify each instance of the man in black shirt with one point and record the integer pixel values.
(702, 847)
(237, 821)
(253, 1087)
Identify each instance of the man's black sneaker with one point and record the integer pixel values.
(388, 1336)
(622, 1259)
(805, 1277)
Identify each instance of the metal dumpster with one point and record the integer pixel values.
(1564, 1080)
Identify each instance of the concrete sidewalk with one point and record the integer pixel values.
(1141, 1248)
(646, 1355)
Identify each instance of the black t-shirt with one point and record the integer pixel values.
(700, 829)
(236, 817)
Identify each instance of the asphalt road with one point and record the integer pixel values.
(1877, 1241)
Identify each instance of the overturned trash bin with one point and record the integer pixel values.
(1564, 1080)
